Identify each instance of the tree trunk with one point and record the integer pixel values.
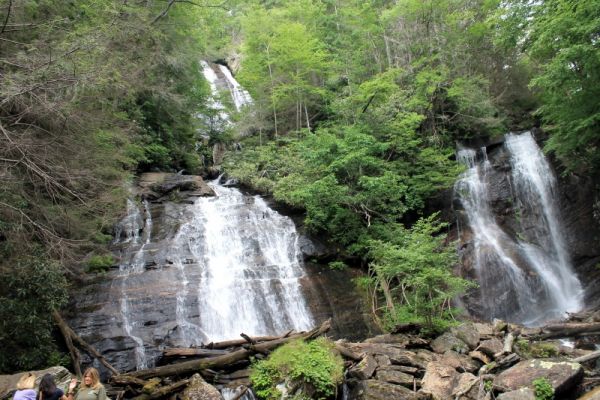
(67, 331)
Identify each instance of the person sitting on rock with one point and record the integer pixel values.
(25, 387)
(91, 388)
(48, 390)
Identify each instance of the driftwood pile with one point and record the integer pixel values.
(224, 363)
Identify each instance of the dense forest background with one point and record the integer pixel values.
(358, 108)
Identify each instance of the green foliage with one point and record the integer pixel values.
(412, 270)
(543, 350)
(30, 291)
(488, 385)
(338, 265)
(564, 40)
(313, 368)
(100, 263)
(543, 389)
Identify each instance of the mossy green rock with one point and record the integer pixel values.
(562, 375)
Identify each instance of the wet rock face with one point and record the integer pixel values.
(575, 197)
(163, 286)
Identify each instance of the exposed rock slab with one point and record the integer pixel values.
(449, 341)
(364, 369)
(562, 375)
(460, 362)
(439, 380)
(468, 333)
(396, 377)
(491, 347)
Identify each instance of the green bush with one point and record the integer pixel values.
(543, 389)
(100, 263)
(28, 294)
(312, 370)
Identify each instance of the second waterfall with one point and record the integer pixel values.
(512, 237)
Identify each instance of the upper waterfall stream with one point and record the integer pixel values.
(524, 276)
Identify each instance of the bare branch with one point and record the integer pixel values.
(171, 2)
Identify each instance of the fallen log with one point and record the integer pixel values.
(73, 336)
(196, 352)
(239, 342)
(588, 357)
(164, 391)
(347, 353)
(569, 329)
(123, 380)
(187, 367)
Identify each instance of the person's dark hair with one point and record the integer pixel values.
(47, 385)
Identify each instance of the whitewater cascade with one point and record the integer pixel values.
(526, 277)
(127, 232)
(236, 265)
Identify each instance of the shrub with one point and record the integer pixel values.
(30, 290)
(543, 389)
(309, 370)
(100, 263)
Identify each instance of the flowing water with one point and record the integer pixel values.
(237, 268)
(240, 96)
(131, 226)
(526, 277)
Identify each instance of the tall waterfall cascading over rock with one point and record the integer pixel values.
(251, 267)
(524, 271)
(237, 267)
(133, 263)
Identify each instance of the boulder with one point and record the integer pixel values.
(397, 355)
(448, 341)
(439, 380)
(382, 360)
(483, 329)
(396, 377)
(562, 375)
(364, 369)
(401, 339)
(460, 362)
(62, 377)
(377, 390)
(466, 388)
(478, 355)
(468, 333)
(198, 389)
(491, 347)
(520, 394)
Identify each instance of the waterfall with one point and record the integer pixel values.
(251, 269)
(240, 96)
(526, 278)
(131, 225)
(213, 101)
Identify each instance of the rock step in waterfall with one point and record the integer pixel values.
(524, 271)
